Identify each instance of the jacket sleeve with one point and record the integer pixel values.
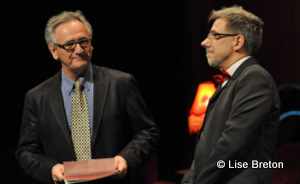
(29, 152)
(145, 132)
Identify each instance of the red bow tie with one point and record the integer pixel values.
(219, 79)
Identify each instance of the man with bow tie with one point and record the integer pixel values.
(242, 118)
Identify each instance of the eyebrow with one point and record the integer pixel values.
(213, 31)
(82, 38)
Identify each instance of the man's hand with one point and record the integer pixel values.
(121, 165)
(57, 173)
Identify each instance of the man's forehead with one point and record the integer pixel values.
(70, 28)
(68, 24)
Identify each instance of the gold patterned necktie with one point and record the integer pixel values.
(80, 124)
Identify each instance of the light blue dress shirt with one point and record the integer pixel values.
(67, 89)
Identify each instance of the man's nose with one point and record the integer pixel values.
(205, 43)
(78, 49)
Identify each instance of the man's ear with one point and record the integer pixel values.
(53, 51)
(239, 42)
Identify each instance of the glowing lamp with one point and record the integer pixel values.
(198, 109)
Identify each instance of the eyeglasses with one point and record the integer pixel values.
(70, 45)
(217, 36)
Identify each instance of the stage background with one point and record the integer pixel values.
(156, 41)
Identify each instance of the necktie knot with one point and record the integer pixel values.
(219, 79)
(78, 85)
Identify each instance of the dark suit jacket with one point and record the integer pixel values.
(122, 125)
(241, 124)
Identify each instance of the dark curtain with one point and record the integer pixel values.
(157, 41)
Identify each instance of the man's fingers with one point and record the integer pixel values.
(121, 165)
(57, 173)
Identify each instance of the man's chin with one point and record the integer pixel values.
(79, 65)
(211, 63)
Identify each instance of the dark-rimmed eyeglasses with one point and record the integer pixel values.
(217, 36)
(70, 45)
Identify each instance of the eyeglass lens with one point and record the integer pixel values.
(83, 43)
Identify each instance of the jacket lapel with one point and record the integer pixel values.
(216, 93)
(101, 84)
(57, 106)
(244, 65)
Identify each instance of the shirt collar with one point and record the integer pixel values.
(235, 66)
(86, 79)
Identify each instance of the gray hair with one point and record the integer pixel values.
(64, 16)
(242, 22)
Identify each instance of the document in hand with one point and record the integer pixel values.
(87, 170)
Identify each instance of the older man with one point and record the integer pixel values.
(84, 111)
